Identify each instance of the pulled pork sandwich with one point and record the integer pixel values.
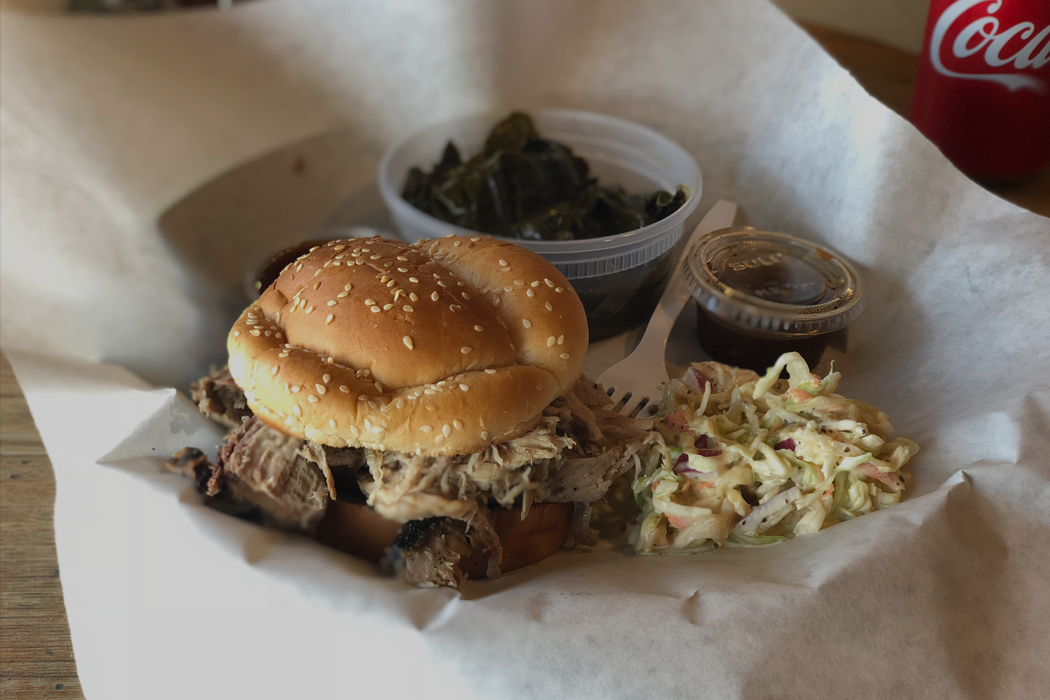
(418, 405)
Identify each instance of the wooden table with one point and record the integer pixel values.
(36, 655)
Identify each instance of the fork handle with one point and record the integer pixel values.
(676, 293)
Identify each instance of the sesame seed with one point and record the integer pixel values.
(402, 269)
(342, 295)
(391, 283)
(535, 284)
(484, 435)
(309, 309)
(296, 410)
(408, 308)
(501, 322)
(425, 428)
(464, 387)
(256, 333)
(465, 350)
(496, 301)
(374, 257)
(475, 239)
(504, 263)
(429, 392)
(387, 307)
(548, 282)
(551, 341)
(283, 354)
(384, 278)
(379, 387)
(435, 296)
(371, 404)
(559, 290)
(348, 287)
(564, 356)
(366, 250)
(466, 296)
(457, 425)
(400, 403)
(277, 335)
(344, 388)
(413, 280)
(407, 340)
(549, 307)
(317, 284)
(458, 243)
(299, 267)
(441, 284)
(274, 370)
(312, 399)
(530, 293)
(526, 322)
(339, 247)
(368, 424)
(376, 309)
(329, 319)
(236, 333)
(402, 258)
(479, 328)
(504, 269)
(326, 378)
(490, 371)
(370, 302)
(446, 430)
(333, 302)
(413, 296)
(439, 438)
(519, 282)
(320, 388)
(460, 284)
(561, 340)
(331, 422)
(388, 264)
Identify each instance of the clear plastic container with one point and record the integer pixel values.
(762, 293)
(619, 278)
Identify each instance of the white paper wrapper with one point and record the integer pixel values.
(109, 128)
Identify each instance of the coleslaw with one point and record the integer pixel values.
(745, 460)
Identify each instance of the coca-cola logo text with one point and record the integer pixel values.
(984, 34)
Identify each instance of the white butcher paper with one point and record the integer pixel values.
(150, 162)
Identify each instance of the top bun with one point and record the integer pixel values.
(438, 348)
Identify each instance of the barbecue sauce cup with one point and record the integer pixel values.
(760, 294)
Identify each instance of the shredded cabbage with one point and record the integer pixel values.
(764, 459)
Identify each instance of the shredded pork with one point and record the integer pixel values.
(284, 479)
(573, 454)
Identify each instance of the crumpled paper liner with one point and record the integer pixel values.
(114, 134)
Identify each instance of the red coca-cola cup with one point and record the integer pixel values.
(982, 93)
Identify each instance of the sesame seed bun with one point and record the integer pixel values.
(437, 348)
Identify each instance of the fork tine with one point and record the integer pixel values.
(632, 404)
(616, 395)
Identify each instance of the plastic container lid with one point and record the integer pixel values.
(618, 152)
(773, 282)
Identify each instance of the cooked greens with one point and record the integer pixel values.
(524, 186)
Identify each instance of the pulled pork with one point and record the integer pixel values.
(265, 474)
(575, 452)
(219, 398)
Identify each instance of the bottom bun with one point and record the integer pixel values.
(356, 529)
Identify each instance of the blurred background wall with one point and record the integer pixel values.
(895, 22)
(898, 23)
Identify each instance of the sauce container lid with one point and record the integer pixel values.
(773, 282)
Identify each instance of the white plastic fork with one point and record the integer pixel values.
(633, 382)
